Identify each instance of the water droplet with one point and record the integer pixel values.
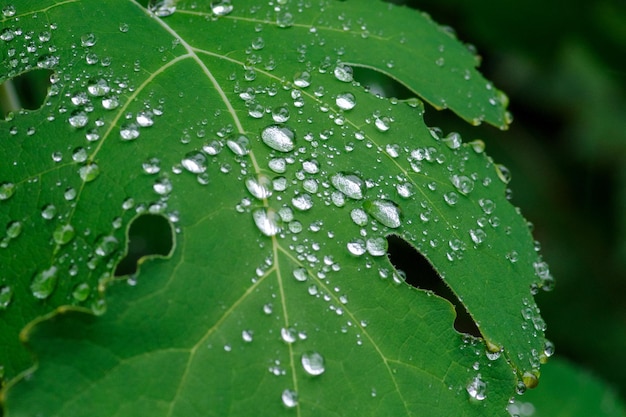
(162, 8)
(477, 388)
(267, 221)
(385, 211)
(357, 247)
(478, 235)
(290, 398)
(81, 292)
(63, 234)
(349, 184)
(221, 8)
(284, 19)
(99, 88)
(162, 186)
(487, 205)
(106, 245)
(6, 295)
(343, 73)
(453, 140)
(302, 202)
(6, 190)
(382, 123)
(359, 217)
(377, 246)
(302, 79)
(247, 335)
(313, 363)
(300, 274)
(530, 380)
(278, 138)
(110, 102)
(280, 114)
(503, 173)
(345, 101)
(70, 194)
(151, 166)
(89, 172)
(477, 145)
(79, 155)
(129, 131)
(14, 229)
(288, 335)
(278, 165)
(463, 184)
(405, 190)
(260, 187)
(145, 118)
(78, 119)
(238, 146)
(451, 198)
(8, 10)
(44, 283)
(194, 162)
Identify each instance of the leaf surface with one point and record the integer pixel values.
(281, 177)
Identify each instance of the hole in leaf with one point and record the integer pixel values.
(381, 84)
(26, 91)
(420, 274)
(148, 234)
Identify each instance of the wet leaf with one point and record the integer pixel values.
(241, 124)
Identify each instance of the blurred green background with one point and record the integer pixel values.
(563, 66)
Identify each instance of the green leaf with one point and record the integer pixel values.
(281, 177)
(568, 391)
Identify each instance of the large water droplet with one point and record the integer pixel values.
(477, 388)
(89, 172)
(81, 291)
(98, 88)
(359, 217)
(63, 234)
(343, 73)
(279, 138)
(267, 221)
(239, 145)
(78, 119)
(14, 229)
(194, 162)
(464, 184)
(300, 274)
(349, 184)
(260, 187)
(385, 211)
(453, 140)
(129, 131)
(162, 8)
(302, 202)
(6, 190)
(345, 101)
(44, 283)
(313, 363)
(377, 246)
(221, 8)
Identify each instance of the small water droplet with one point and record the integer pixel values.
(7, 189)
(162, 186)
(359, 217)
(81, 291)
(405, 190)
(302, 202)
(302, 79)
(289, 398)
(284, 19)
(247, 335)
(78, 119)
(453, 140)
(478, 235)
(106, 245)
(14, 229)
(63, 234)
(385, 211)
(377, 246)
(145, 118)
(357, 247)
(300, 274)
(503, 173)
(313, 363)
(6, 295)
(260, 187)
(239, 145)
(382, 123)
(280, 114)
(279, 138)
(79, 155)
(70, 194)
(349, 184)
(44, 283)
(110, 102)
(98, 88)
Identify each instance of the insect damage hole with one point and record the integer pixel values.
(421, 275)
(148, 235)
(27, 91)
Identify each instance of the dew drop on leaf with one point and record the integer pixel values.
(280, 114)
(89, 172)
(266, 221)
(221, 8)
(477, 388)
(463, 184)
(289, 398)
(278, 138)
(106, 245)
(44, 283)
(99, 88)
(145, 118)
(81, 291)
(359, 217)
(343, 73)
(300, 274)
(63, 234)
(357, 247)
(260, 187)
(302, 202)
(385, 211)
(6, 190)
(313, 363)
(377, 246)
(302, 79)
(239, 145)
(78, 119)
(346, 101)
(14, 229)
(6, 295)
(129, 131)
(162, 8)
(453, 140)
(194, 162)
(349, 184)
